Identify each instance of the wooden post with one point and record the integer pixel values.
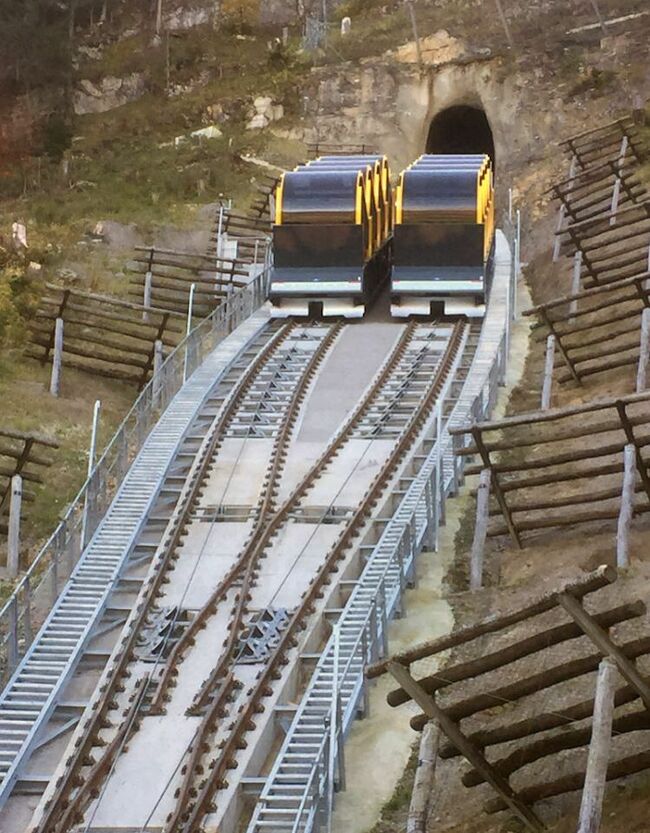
(601, 736)
(147, 295)
(616, 190)
(429, 706)
(575, 284)
(644, 346)
(627, 507)
(424, 775)
(547, 387)
(157, 356)
(480, 530)
(13, 541)
(601, 640)
(629, 433)
(485, 457)
(57, 358)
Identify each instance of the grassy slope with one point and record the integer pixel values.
(121, 167)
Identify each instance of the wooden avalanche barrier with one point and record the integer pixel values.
(602, 182)
(101, 334)
(597, 329)
(25, 455)
(162, 278)
(543, 682)
(560, 467)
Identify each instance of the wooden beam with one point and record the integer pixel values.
(539, 723)
(480, 530)
(569, 783)
(485, 456)
(558, 339)
(552, 415)
(602, 641)
(629, 433)
(536, 682)
(568, 738)
(473, 755)
(578, 588)
(538, 641)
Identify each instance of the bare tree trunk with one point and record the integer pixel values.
(72, 8)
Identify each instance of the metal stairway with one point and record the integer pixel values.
(32, 692)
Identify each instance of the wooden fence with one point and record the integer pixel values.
(316, 149)
(601, 182)
(593, 146)
(596, 330)
(21, 454)
(162, 278)
(551, 689)
(101, 334)
(251, 232)
(613, 253)
(561, 467)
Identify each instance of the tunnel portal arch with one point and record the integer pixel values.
(461, 129)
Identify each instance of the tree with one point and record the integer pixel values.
(242, 14)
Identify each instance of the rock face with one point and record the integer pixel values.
(438, 48)
(188, 17)
(265, 113)
(390, 105)
(110, 93)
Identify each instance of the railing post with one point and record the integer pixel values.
(188, 330)
(517, 265)
(90, 498)
(54, 587)
(333, 727)
(12, 637)
(384, 619)
(400, 562)
(364, 682)
(157, 364)
(27, 615)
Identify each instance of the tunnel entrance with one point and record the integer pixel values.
(461, 129)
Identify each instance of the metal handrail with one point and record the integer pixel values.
(57, 557)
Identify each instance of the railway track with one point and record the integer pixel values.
(82, 771)
(225, 706)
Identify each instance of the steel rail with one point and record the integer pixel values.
(188, 819)
(240, 567)
(271, 528)
(250, 557)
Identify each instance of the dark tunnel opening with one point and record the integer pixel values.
(461, 129)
